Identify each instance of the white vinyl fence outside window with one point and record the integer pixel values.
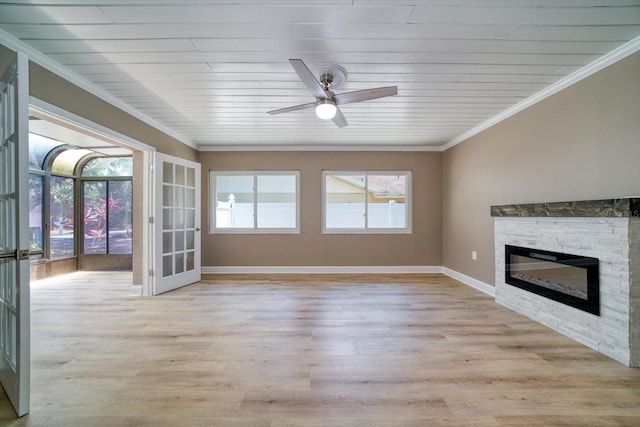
(255, 202)
(366, 202)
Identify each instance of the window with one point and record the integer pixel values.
(36, 220)
(366, 202)
(255, 202)
(61, 218)
(103, 211)
(107, 205)
(109, 166)
(40, 148)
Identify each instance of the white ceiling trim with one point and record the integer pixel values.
(17, 45)
(573, 78)
(414, 148)
(61, 70)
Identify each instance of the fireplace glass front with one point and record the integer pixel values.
(569, 279)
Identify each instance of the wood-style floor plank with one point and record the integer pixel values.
(330, 350)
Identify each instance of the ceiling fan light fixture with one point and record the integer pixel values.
(326, 109)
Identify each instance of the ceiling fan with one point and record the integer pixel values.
(327, 103)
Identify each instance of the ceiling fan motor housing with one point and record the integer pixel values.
(331, 75)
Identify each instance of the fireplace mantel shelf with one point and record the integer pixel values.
(610, 208)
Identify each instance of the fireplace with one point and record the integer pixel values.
(569, 279)
(606, 230)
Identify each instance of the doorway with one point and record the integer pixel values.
(103, 219)
(16, 334)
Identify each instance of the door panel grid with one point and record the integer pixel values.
(8, 237)
(178, 242)
(14, 234)
(178, 207)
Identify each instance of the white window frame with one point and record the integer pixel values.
(408, 203)
(213, 229)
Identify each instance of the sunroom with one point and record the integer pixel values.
(80, 202)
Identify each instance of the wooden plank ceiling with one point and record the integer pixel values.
(210, 70)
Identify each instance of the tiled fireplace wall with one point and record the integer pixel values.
(615, 242)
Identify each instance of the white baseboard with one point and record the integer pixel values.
(470, 281)
(396, 269)
(399, 269)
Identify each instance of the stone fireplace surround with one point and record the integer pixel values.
(605, 229)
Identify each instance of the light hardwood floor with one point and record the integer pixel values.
(415, 350)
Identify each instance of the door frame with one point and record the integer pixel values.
(143, 184)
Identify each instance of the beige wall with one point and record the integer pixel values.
(57, 91)
(311, 247)
(582, 143)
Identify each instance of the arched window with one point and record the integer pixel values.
(40, 149)
(109, 166)
(51, 219)
(58, 174)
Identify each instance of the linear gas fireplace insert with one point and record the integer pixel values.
(569, 279)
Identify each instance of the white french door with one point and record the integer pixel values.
(177, 223)
(14, 234)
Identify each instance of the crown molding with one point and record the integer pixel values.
(39, 58)
(408, 148)
(573, 78)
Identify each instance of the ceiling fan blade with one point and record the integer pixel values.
(294, 108)
(308, 78)
(339, 119)
(365, 95)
